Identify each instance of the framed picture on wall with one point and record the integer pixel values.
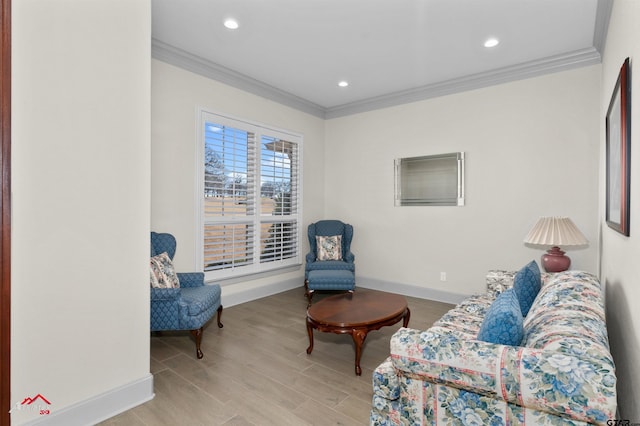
(618, 132)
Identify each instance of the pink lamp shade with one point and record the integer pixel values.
(554, 232)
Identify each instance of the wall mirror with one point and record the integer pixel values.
(432, 180)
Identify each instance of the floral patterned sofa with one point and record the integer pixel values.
(562, 374)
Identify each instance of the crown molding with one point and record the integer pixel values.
(196, 64)
(185, 60)
(580, 58)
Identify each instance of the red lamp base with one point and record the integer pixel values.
(554, 260)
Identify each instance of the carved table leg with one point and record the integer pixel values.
(358, 339)
(310, 332)
(407, 315)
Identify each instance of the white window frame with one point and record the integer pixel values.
(205, 115)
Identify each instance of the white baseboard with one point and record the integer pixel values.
(410, 290)
(103, 406)
(236, 294)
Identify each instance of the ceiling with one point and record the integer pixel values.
(390, 51)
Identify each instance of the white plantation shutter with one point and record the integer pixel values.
(227, 245)
(279, 164)
(250, 197)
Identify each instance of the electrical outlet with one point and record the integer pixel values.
(443, 276)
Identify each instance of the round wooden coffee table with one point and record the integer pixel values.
(357, 314)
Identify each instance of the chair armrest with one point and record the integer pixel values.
(164, 294)
(191, 279)
(581, 386)
(349, 257)
(310, 257)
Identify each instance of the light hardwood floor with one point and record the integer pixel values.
(256, 371)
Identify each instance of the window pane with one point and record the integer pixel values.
(228, 161)
(278, 175)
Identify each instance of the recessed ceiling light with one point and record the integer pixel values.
(231, 23)
(343, 83)
(491, 42)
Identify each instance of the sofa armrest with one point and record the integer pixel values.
(386, 405)
(499, 281)
(191, 279)
(385, 381)
(567, 385)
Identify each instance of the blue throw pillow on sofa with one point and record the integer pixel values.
(527, 285)
(503, 321)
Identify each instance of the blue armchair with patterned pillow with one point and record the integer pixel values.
(179, 301)
(330, 250)
(328, 228)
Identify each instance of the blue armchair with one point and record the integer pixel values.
(188, 307)
(329, 274)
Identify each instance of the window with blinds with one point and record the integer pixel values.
(250, 197)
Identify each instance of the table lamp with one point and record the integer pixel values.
(554, 232)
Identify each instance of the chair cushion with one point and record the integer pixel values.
(503, 321)
(199, 299)
(163, 275)
(331, 280)
(527, 284)
(329, 247)
(330, 264)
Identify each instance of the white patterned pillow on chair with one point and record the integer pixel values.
(329, 247)
(163, 275)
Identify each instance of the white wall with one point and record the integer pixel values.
(531, 150)
(620, 254)
(176, 94)
(80, 242)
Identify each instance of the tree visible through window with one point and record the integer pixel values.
(250, 197)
